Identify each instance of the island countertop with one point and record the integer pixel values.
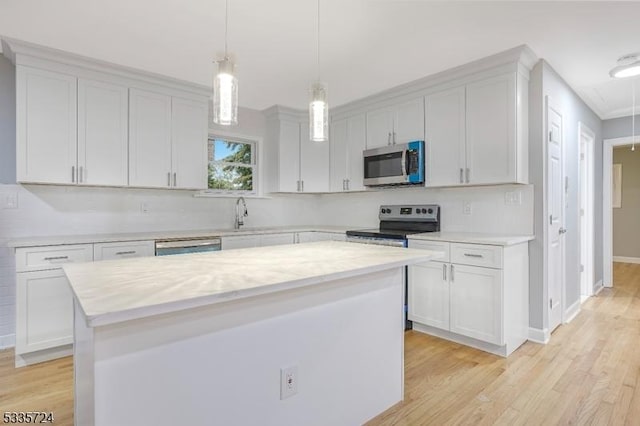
(113, 291)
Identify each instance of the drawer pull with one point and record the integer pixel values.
(474, 255)
(121, 253)
(56, 258)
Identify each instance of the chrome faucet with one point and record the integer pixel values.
(240, 217)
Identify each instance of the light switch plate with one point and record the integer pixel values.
(9, 200)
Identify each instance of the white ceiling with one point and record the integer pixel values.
(366, 45)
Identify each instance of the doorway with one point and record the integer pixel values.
(607, 204)
(586, 138)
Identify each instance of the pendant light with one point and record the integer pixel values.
(318, 106)
(225, 85)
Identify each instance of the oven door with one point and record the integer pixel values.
(394, 165)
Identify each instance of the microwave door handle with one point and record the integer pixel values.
(403, 164)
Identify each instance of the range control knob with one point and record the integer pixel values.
(424, 210)
(388, 210)
(430, 211)
(383, 211)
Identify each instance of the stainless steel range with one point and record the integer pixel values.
(396, 223)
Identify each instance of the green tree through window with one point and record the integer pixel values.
(231, 165)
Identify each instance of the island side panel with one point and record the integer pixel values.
(221, 364)
(83, 364)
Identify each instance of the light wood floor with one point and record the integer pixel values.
(588, 374)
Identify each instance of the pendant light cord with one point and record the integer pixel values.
(318, 41)
(226, 26)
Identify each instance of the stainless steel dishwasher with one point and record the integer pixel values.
(190, 245)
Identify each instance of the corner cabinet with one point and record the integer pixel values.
(294, 163)
(477, 133)
(348, 140)
(476, 294)
(84, 122)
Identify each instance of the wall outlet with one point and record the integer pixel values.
(288, 381)
(466, 207)
(9, 200)
(144, 207)
(513, 198)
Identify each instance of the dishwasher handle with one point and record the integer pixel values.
(166, 244)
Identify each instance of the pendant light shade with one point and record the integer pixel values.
(318, 106)
(225, 94)
(225, 85)
(318, 113)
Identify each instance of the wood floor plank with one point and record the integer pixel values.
(589, 373)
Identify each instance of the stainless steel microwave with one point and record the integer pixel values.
(401, 164)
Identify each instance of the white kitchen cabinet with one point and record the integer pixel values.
(240, 241)
(149, 139)
(44, 302)
(348, 140)
(313, 236)
(491, 130)
(276, 239)
(123, 250)
(445, 137)
(46, 126)
(314, 163)
(102, 133)
(189, 138)
(428, 296)
(399, 123)
(289, 156)
(476, 303)
(477, 295)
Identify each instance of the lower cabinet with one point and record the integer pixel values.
(476, 295)
(256, 240)
(312, 236)
(123, 250)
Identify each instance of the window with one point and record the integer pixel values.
(232, 165)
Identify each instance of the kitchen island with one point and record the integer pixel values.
(205, 339)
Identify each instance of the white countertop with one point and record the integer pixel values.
(473, 238)
(120, 290)
(165, 235)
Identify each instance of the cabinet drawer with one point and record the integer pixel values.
(433, 245)
(476, 255)
(51, 257)
(123, 250)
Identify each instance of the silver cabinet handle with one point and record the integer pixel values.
(394, 138)
(389, 138)
(122, 253)
(461, 175)
(169, 179)
(81, 174)
(451, 273)
(302, 185)
(344, 184)
(73, 174)
(444, 272)
(473, 255)
(562, 231)
(348, 183)
(468, 174)
(56, 258)
(175, 179)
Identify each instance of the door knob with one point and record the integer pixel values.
(562, 231)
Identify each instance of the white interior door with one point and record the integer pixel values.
(555, 205)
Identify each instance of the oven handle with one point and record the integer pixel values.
(403, 164)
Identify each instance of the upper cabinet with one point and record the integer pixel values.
(84, 122)
(293, 162)
(348, 140)
(46, 126)
(399, 123)
(476, 133)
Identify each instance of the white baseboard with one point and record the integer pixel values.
(597, 288)
(538, 335)
(571, 312)
(8, 341)
(624, 259)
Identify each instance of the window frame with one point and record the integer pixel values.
(254, 165)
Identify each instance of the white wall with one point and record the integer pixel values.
(7, 121)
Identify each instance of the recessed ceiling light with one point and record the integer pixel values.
(628, 66)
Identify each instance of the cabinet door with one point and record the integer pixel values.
(379, 127)
(44, 310)
(46, 126)
(445, 137)
(356, 143)
(339, 143)
(240, 241)
(189, 132)
(275, 239)
(102, 133)
(428, 295)
(289, 156)
(314, 164)
(409, 121)
(491, 130)
(149, 139)
(123, 250)
(476, 303)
